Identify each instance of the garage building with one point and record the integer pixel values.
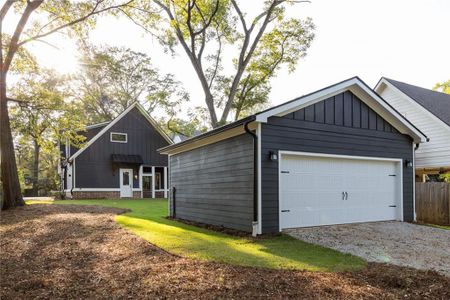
(337, 155)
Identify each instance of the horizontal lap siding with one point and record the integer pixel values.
(295, 133)
(214, 183)
(434, 153)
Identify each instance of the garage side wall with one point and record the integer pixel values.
(214, 183)
(341, 125)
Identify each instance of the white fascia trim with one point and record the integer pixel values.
(353, 85)
(117, 119)
(103, 131)
(153, 123)
(97, 125)
(412, 101)
(259, 135)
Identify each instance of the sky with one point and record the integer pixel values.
(406, 40)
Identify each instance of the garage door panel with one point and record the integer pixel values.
(311, 191)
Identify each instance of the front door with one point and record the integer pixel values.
(126, 183)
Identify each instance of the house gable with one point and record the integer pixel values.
(93, 166)
(344, 109)
(433, 154)
(362, 91)
(141, 109)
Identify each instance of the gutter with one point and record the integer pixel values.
(255, 178)
(164, 150)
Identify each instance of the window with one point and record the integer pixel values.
(126, 178)
(158, 181)
(117, 137)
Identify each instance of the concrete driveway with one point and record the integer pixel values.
(399, 243)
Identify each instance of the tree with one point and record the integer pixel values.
(41, 116)
(50, 16)
(443, 87)
(194, 125)
(112, 78)
(204, 28)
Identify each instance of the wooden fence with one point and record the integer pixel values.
(433, 202)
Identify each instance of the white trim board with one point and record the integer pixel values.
(362, 91)
(117, 119)
(97, 125)
(259, 135)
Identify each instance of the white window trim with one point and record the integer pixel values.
(122, 133)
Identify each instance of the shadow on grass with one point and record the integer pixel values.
(147, 219)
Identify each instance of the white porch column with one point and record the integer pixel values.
(153, 182)
(141, 168)
(165, 182)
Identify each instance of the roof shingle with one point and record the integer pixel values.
(435, 102)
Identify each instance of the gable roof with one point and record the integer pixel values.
(354, 84)
(435, 102)
(97, 125)
(117, 119)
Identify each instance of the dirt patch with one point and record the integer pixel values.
(51, 251)
(221, 229)
(399, 243)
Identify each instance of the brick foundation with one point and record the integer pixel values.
(106, 195)
(100, 195)
(159, 194)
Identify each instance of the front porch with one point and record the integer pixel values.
(153, 182)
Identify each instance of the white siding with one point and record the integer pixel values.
(436, 152)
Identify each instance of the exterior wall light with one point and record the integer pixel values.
(408, 163)
(273, 156)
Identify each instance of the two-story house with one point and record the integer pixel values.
(430, 112)
(118, 160)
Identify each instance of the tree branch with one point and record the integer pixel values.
(240, 14)
(195, 62)
(93, 12)
(14, 43)
(206, 23)
(5, 8)
(244, 57)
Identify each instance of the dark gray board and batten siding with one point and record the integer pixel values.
(342, 125)
(93, 167)
(214, 183)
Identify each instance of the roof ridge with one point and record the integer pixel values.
(416, 86)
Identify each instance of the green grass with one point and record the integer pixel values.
(147, 219)
(445, 227)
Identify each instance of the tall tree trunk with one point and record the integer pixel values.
(37, 150)
(12, 196)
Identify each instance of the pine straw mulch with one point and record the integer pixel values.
(62, 251)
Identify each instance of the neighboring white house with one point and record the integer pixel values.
(430, 112)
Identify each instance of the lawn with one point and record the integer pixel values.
(445, 227)
(147, 219)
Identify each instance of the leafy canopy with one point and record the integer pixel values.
(113, 78)
(209, 31)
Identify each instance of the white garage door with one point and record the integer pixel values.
(335, 190)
